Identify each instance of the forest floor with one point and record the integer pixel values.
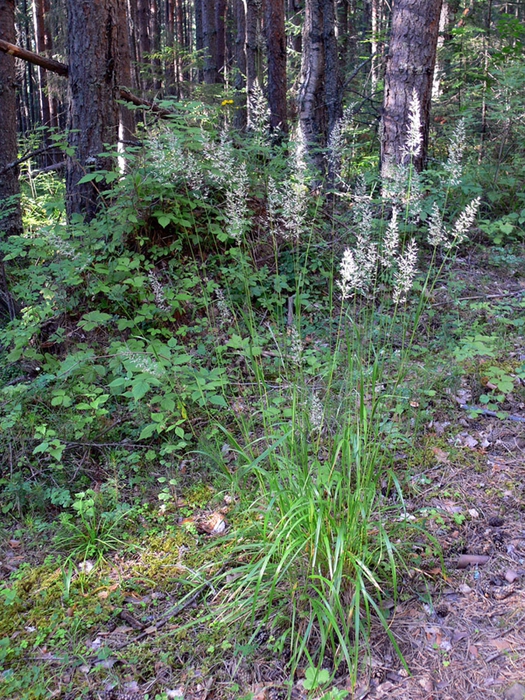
(117, 632)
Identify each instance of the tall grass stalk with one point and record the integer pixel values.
(324, 531)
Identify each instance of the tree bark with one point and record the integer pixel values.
(220, 23)
(319, 99)
(40, 41)
(94, 71)
(135, 43)
(253, 22)
(276, 51)
(172, 58)
(155, 34)
(240, 117)
(199, 35)
(410, 67)
(127, 123)
(143, 33)
(10, 215)
(62, 69)
(209, 36)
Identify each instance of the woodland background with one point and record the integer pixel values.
(262, 364)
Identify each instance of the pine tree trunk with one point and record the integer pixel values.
(54, 91)
(240, 117)
(94, 70)
(143, 33)
(10, 214)
(40, 41)
(126, 116)
(209, 35)
(220, 23)
(184, 39)
(10, 217)
(136, 51)
(319, 99)
(410, 67)
(253, 21)
(155, 45)
(276, 51)
(171, 67)
(199, 35)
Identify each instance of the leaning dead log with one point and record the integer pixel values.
(62, 69)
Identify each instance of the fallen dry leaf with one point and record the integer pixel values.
(440, 455)
(500, 644)
(469, 441)
(426, 683)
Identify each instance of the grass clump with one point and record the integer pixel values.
(212, 350)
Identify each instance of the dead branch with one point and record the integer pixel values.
(62, 69)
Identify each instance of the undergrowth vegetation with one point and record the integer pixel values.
(223, 325)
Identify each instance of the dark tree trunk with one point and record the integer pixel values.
(10, 215)
(220, 23)
(209, 35)
(126, 116)
(136, 52)
(171, 68)
(240, 117)
(143, 32)
(40, 44)
(319, 99)
(94, 71)
(54, 92)
(184, 40)
(253, 21)
(410, 67)
(29, 95)
(276, 48)
(199, 35)
(155, 44)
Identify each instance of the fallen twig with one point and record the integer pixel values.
(171, 612)
(482, 296)
(488, 412)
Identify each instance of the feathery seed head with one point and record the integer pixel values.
(406, 271)
(316, 412)
(437, 234)
(414, 137)
(455, 154)
(390, 241)
(464, 222)
(158, 291)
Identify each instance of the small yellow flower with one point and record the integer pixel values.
(224, 103)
